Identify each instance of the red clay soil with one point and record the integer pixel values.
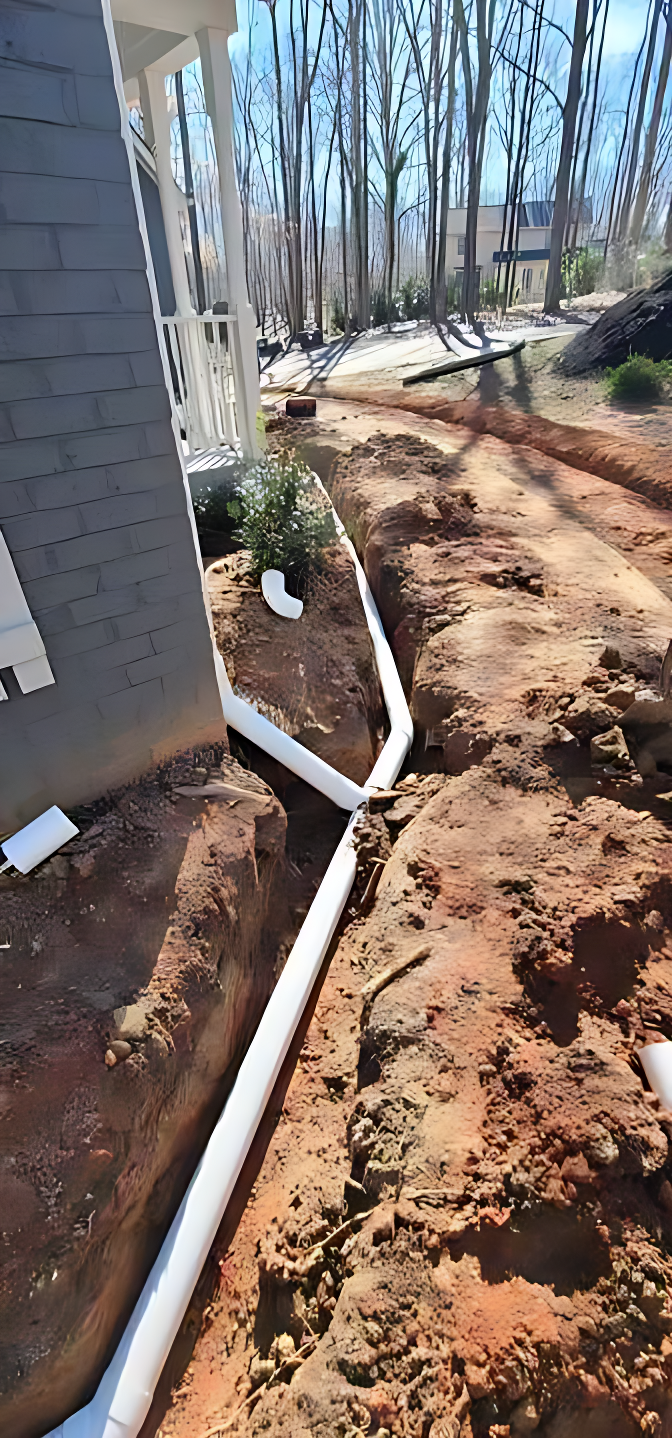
(635, 466)
(463, 1222)
(315, 676)
(135, 966)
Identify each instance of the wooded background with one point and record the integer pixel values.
(360, 124)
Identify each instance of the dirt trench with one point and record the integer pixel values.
(134, 968)
(462, 1224)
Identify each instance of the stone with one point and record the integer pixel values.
(588, 715)
(621, 697)
(110, 1058)
(130, 1022)
(261, 1369)
(610, 658)
(120, 1049)
(610, 748)
(601, 1148)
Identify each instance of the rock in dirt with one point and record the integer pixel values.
(610, 748)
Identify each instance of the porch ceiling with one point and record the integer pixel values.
(176, 18)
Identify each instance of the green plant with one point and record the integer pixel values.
(282, 519)
(489, 298)
(379, 313)
(412, 300)
(639, 377)
(453, 297)
(211, 506)
(337, 314)
(582, 271)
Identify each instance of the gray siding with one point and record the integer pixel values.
(92, 501)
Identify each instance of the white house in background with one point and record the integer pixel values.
(532, 253)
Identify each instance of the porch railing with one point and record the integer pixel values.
(202, 363)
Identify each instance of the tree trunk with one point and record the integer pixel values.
(561, 205)
(626, 202)
(189, 192)
(639, 211)
(477, 111)
(441, 296)
(581, 193)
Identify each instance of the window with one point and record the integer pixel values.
(460, 244)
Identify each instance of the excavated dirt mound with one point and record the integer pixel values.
(640, 467)
(463, 1223)
(640, 323)
(135, 966)
(314, 676)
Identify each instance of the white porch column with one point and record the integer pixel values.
(216, 70)
(153, 96)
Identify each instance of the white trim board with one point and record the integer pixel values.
(21, 644)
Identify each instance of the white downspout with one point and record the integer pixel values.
(124, 1396)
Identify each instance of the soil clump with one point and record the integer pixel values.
(462, 1225)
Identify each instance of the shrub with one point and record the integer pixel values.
(337, 314)
(379, 314)
(489, 297)
(283, 520)
(412, 300)
(211, 506)
(582, 272)
(638, 378)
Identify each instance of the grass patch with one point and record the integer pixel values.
(282, 520)
(638, 378)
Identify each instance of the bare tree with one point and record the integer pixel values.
(629, 189)
(387, 27)
(441, 294)
(569, 114)
(291, 103)
(580, 193)
(476, 99)
(651, 140)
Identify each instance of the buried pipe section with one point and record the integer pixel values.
(124, 1395)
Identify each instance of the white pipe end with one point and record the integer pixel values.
(273, 590)
(656, 1061)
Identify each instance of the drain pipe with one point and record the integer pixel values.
(124, 1395)
(243, 718)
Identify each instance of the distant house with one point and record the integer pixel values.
(532, 252)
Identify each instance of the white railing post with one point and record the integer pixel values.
(153, 92)
(216, 70)
(205, 379)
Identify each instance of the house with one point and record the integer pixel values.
(532, 252)
(106, 651)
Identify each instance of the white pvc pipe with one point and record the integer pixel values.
(124, 1395)
(242, 717)
(42, 837)
(276, 596)
(656, 1061)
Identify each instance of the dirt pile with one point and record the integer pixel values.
(468, 1201)
(315, 677)
(639, 323)
(640, 467)
(135, 966)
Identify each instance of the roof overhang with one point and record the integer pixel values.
(161, 34)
